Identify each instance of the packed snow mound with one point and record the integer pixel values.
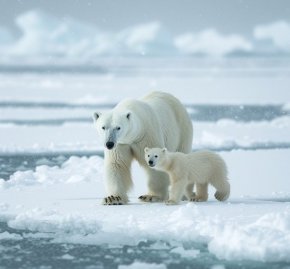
(277, 32)
(146, 39)
(45, 35)
(212, 43)
(9, 236)
(141, 265)
(264, 239)
(74, 170)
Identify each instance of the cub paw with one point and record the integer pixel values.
(171, 202)
(191, 197)
(149, 198)
(221, 196)
(113, 200)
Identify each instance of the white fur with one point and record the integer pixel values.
(156, 120)
(200, 168)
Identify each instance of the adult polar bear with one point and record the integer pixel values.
(156, 120)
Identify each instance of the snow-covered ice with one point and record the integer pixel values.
(65, 202)
(52, 168)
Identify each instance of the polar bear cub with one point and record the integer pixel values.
(185, 170)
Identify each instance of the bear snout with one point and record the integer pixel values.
(110, 145)
(150, 162)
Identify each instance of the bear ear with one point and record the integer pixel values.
(146, 149)
(128, 115)
(96, 115)
(164, 149)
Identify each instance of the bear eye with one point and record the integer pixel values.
(103, 128)
(148, 156)
(118, 128)
(156, 156)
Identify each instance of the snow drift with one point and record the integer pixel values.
(277, 32)
(210, 42)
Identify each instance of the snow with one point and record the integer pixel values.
(70, 210)
(60, 198)
(278, 32)
(211, 43)
(73, 170)
(141, 265)
(146, 39)
(286, 107)
(223, 227)
(210, 84)
(265, 240)
(46, 35)
(186, 253)
(81, 136)
(9, 236)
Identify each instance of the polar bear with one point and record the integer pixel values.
(156, 120)
(200, 168)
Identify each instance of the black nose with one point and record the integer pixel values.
(150, 162)
(110, 145)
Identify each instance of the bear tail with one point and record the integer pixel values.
(224, 194)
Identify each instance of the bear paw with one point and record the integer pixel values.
(113, 200)
(171, 202)
(198, 199)
(149, 198)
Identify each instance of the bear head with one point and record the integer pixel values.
(113, 128)
(155, 157)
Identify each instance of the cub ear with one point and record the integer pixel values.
(146, 150)
(164, 149)
(96, 115)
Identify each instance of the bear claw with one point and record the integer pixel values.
(149, 198)
(113, 200)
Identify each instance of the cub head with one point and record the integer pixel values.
(113, 128)
(155, 157)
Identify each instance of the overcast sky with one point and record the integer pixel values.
(228, 16)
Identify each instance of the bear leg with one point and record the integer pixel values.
(118, 175)
(190, 195)
(177, 190)
(158, 183)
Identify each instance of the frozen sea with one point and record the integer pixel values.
(51, 166)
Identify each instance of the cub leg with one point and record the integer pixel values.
(223, 189)
(177, 190)
(201, 192)
(190, 195)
